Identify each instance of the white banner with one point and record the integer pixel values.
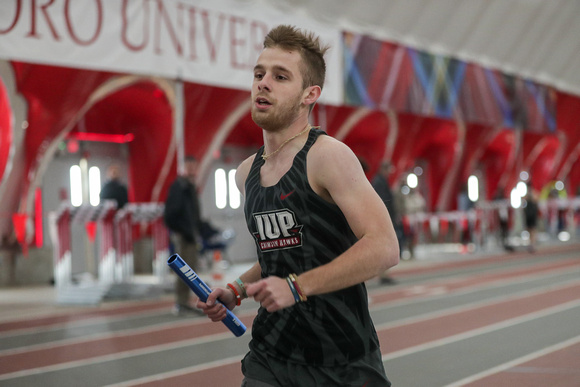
(213, 42)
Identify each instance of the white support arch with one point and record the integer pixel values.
(222, 133)
(447, 185)
(351, 122)
(392, 136)
(109, 87)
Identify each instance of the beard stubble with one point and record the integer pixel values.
(285, 115)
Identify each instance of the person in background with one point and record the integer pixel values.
(531, 213)
(465, 205)
(113, 188)
(10, 246)
(381, 184)
(414, 204)
(503, 218)
(320, 230)
(182, 218)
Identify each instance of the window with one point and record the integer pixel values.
(76, 186)
(226, 189)
(221, 190)
(234, 193)
(80, 192)
(94, 186)
(473, 188)
(412, 180)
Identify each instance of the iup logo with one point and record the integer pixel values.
(277, 230)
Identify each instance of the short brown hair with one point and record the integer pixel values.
(310, 48)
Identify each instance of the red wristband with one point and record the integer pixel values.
(238, 298)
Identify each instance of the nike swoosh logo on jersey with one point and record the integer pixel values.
(284, 196)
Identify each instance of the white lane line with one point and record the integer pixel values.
(88, 321)
(126, 332)
(179, 372)
(515, 362)
(483, 330)
(463, 290)
(116, 356)
(476, 305)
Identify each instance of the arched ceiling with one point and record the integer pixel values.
(534, 39)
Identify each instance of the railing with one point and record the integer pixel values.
(115, 239)
(478, 224)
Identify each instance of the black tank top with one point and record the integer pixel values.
(296, 230)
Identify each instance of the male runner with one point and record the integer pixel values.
(321, 231)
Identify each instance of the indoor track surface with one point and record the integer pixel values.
(501, 319)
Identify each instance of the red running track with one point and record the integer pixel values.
(553, 366)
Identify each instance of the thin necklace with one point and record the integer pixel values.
(266, 157)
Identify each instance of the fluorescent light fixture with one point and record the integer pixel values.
(412, 180)
(473, 188)
(221, 189)
(94, 186)
(515, 198)
(76, 186)
(522, 189)
(233, 190)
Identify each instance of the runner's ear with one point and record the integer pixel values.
(311, 95)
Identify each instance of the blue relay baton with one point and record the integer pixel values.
(200, 288)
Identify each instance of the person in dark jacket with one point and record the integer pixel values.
(381, 184)
(182, 218)
(114, 189)
(531, 214)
